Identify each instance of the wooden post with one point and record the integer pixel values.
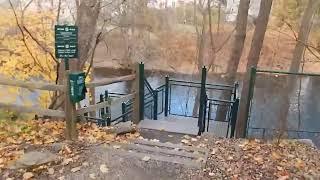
(138, 104)
(70, 110)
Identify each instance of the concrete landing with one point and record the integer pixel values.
(172, 124)
(184, 125)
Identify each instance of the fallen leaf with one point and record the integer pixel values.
(76, 169)
(186, 137)
(85, 164)
(185, 141)
(275, 155)
(61, 171)
(259, 159)
(50, 171)
(299, 163)
(211, 174)
(146, 158)
(103, 168)
(230, 158)
(283, 178)
(92, 176)
(280, 168)
(194, 139)
(213, 152)
(28, 175)
(66, 161)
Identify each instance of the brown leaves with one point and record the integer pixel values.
(253, 159)
(27, 175)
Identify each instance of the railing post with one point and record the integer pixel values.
(209, 115)
(141, 90)
(155, 104)
(106, 98)
(236, 85)
(123, 109)
(108, 121)
(101, 101)
(139, 97)
(202, 100)
(101, 111)
(166, 97)
(234, 113)
(205, 112)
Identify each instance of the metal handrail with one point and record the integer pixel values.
(198, 83)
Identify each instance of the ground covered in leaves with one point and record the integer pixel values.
(19, 137)
(228, 158)
(256, 159)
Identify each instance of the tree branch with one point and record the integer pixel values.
(46, 50)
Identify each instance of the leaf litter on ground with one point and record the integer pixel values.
(17, 136)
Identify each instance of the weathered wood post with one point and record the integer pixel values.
(202, 100)
(138, 104)
(70, 110)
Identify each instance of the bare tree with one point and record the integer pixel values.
(253, 59)
(201, 40)
(233, 63)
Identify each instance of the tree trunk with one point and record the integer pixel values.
(87, 18)
(201, 46)
(233, 63)
(253, 59)
(302, 40)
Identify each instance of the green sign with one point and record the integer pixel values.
(66, 41)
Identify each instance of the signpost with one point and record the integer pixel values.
(66, 46)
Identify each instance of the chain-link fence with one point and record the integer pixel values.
(284, 104)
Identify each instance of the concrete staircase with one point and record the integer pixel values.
(146, 150)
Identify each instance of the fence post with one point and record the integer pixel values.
(123, 109)
(205, 112)
(100, 101)
(209, 115)
(202, 100)
(108, 109)
(139, 96)
(70, 110)
(101, 110)
(234, 113)
(166, 96)
(236, 85)
(108, 121)
(155, 104)
(252, 79)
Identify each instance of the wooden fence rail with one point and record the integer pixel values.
(39, 111)
(62, 88)
(107, 81)
(31, 85)
(104, 104)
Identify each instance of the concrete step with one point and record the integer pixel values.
(166, 152)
